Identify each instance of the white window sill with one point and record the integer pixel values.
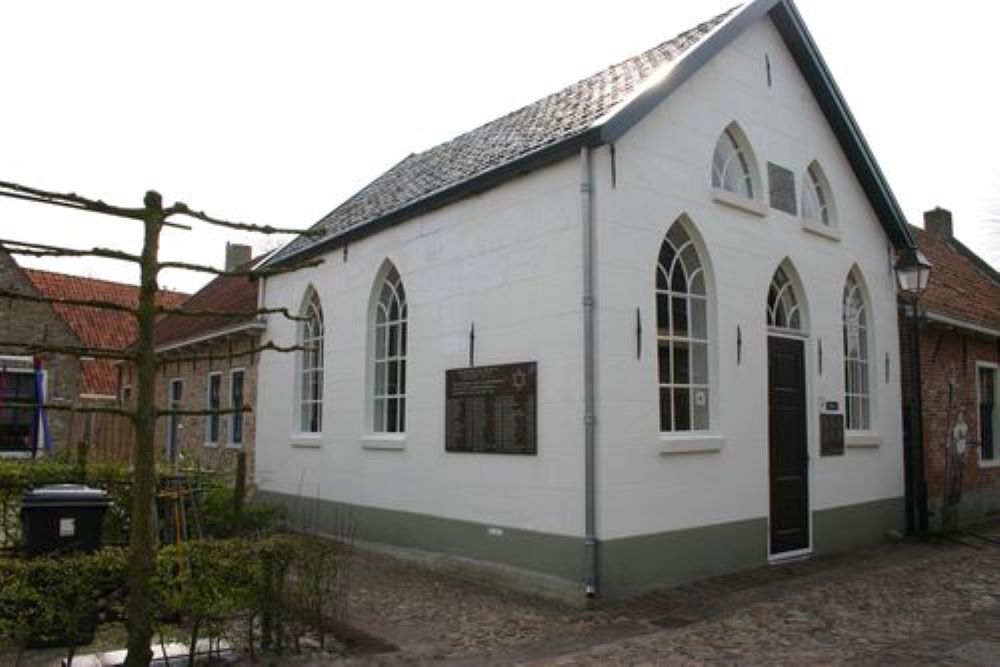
(234, 445)
(753, 206)
(208, 444)
(692, 443)
(306, 440)
(821, 230)
(384, 441)
(989, 463)
(862, 440)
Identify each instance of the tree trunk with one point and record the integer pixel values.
(141, 539)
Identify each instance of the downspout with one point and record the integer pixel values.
(589, 417)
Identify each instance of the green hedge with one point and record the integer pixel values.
(274, 590)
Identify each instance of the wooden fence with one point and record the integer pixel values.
(108, 438)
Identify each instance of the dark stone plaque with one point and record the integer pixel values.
(491, 409)
(831, 435)
(782, 184)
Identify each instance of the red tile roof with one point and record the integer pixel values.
(233, 294)
(962, 285)
(96, 327)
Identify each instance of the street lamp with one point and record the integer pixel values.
(913, 273)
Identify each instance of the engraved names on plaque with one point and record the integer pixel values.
(491, 409)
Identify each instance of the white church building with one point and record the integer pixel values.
(638, 332)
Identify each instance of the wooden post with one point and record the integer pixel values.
(239, 490)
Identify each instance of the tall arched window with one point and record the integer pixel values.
(857, 384)
(311, 364)
(389, 358)
(733, 166)
(783, 310)
(682, 334)
(817, 202)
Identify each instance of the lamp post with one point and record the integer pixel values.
(913, 272)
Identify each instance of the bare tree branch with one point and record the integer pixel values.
(182, 412)
(250, 273)
(42, 250)
(71, 350)
(90, 303)
(266, 347)
(180, 208)
(73, 200)
(84, 409)
(235, 314)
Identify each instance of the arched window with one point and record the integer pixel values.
(311, 364)
(817, 202)
(733, 166)
(783, 310)
(682, 334)
(389, 358)
(857, 385)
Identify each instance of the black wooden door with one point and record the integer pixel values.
(789, 454)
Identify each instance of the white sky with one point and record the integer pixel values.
(275, 113)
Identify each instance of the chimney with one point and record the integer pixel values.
(938, 223)
(236, 255)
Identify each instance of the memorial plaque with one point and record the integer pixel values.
(831, 435)
(491, 409)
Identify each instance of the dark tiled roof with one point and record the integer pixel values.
(548, 121)
(962, 286)
(235, 294)
(96, 327)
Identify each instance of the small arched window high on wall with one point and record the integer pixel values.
(310, 364)
(388, 381)
(682, 335)
(734, 168)
(817, 200)
(857, 372)
(783, 309)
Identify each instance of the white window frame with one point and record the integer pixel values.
(233, 416)
(857, 369)
(796, 307)
(173, 443)
(818, 211)
(749, 197)
(995, 461)
(673, 342)
(382, 434)
(305, 400)
(209, 442)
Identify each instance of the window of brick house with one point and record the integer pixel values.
(989, 413)
(18, 414)
(236, 401)
(213, 421)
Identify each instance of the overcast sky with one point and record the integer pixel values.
(274, 113)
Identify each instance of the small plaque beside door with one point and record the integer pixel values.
(831, 435)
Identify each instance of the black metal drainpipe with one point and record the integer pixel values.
(919, 499)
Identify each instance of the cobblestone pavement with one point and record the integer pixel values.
(903, 604)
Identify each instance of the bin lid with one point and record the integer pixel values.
(66, 494)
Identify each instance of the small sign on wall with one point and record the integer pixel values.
(831, 435)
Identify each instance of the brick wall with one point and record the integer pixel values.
(948, 366)
(34, 323)
(192, 429)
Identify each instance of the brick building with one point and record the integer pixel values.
(219, 378)
(66, 380)
(958, 360)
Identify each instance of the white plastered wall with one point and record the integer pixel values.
(662, 169)
(507, 260)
